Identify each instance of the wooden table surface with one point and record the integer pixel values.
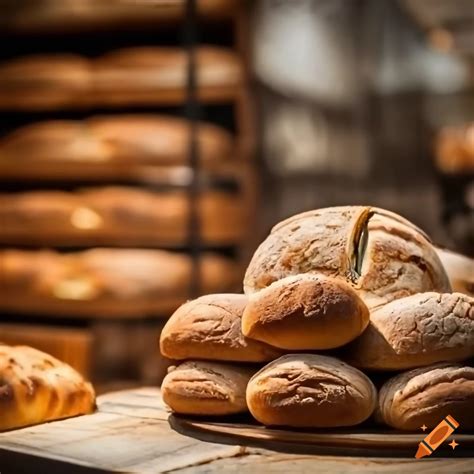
(130, 432)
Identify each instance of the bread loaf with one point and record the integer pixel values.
(206, 388)
(382, 255)
(460, 270)
(105, 282)
(142, 75)
(117, 216)
(209, 327)
(305, 312)
(107, 146)
(425, 396)
(35, 388)
(312, 391)
(414, 331)
(44, 82)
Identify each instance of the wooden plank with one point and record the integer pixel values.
(130, 433)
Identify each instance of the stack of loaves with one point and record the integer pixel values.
(359, 281)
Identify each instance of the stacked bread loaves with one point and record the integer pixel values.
(360, 281)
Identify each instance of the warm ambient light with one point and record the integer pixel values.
(75, 289)
(441, 39)
(85, 219)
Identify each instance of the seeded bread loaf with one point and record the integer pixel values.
(36, 388)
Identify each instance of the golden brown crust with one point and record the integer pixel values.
(313, 391)
(427, 395)
(125, 139)
(206, 388)
(305, 312)
(105, 282)
(38, 81)
(381, 254)
(116, 215)
(209, 327)
(417, 330)
(35, 388)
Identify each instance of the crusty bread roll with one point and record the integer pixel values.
(107, 146)
(313, 391)
(35, 388)
(44, 82)
(382, 255)
(415, 331)
(105, 282)
(117, 216)
(206, 388)
(305, 312)
(460, 270)
(425, 396)
(209, 327)
(147, 74)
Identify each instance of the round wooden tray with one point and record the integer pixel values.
(362, 441)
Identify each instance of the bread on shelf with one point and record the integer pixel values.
(118, 216)
(112, 147)
(104, 282)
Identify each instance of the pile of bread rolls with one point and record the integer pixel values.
(333, 298)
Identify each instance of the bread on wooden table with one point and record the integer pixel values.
(105, 282)
(116, 215)
(426, 395)
(310, 391)
(460, 270)
(107, 145)
(381, 254)
(415, 331)
(305, 312)
(209, 327)
(36, 388)
(39, 82)
(206, 388)
(146, 74)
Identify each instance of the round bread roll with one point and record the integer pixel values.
(425, 396)
(460, 270)
(209, 327)
(384, 256)
(415, 331)
(305, 312)
(206, 388)
(314, 391)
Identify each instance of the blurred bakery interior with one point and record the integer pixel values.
(147, 146)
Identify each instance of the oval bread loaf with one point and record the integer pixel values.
(415, 331)
(305, 312)
(209, 327)
(206, 388)
(381, 254)
(426, 395)
(307, 390)
(35, 388)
